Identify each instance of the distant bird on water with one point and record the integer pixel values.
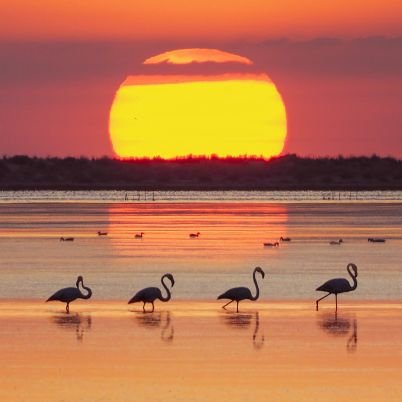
(67, 295)
(375, 240)
(339, 285)
(66, 238)
(276, 244)
(336, 242)
(285, 239)
(102, 233)
(242, 293)
(194, 235)
(139, 235)
(149, 295)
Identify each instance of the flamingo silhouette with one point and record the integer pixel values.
(242, 293)
(149, 295)
(67, 295)
(339, 285)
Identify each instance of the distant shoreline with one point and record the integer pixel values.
(285, 173)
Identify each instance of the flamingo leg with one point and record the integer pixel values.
(68, 308)
(336, 301)
(143, 307)
(237, 307)
(153, 307)
(227, 304)
(316, 303)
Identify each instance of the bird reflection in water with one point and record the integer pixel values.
(78, 323)
(244, 321)
(161, 320)
(341, 326)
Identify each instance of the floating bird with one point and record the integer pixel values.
(194, 235)
(339, 285)
(67, 295)
(139, 235)
(242, 293)
(285, 239)
(375, 240)
(336, 242)
(276, 244)
(66, 238)
(102, 233)
(149, 295)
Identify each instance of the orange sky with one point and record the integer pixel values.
(173, 19)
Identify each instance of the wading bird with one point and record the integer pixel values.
(242, 293)
(149, 295)
(194, 235)
(67, 295)
(139, 235)
(339, 285)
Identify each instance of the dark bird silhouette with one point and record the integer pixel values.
(102, 233)
(339, 285)
(194, 235)
(66, 238)
(242, 293)
(285, 239)
(375, 240)
(149, 295)
(67, 295)
(336, 242)
(139, 235)
(276, 244)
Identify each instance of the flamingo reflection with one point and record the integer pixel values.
(244, 321)
(78, 323)
(341, 326)
(161, 320)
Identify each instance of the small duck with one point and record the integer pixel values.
(276, 244)
(194, 235)
(336, 242)
(66, 238)
(139, 235)
(102, 233)
(285, 239)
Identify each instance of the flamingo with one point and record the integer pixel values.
(149, 295)
(139, 235)
(242, 293)
(285, 239)
(276, 244)
(66, 238)
(67, 295)
(102, 233)
(336, 242)
(194, 235)
(339, 285)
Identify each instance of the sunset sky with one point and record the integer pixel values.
(337, 65)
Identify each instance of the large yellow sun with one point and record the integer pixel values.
(201, 113)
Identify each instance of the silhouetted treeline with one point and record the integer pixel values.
(288, 172)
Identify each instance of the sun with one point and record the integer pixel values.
(198, 102)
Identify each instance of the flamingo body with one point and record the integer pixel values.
(68, 295)
(339, 285)
(150, 294)
(242, 293)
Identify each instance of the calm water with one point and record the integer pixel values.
(34, 263)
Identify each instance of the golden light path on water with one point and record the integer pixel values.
(176, 115)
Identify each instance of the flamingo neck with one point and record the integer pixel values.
(257, 294)
(89, 291)
(353, 276)
(168, 297)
